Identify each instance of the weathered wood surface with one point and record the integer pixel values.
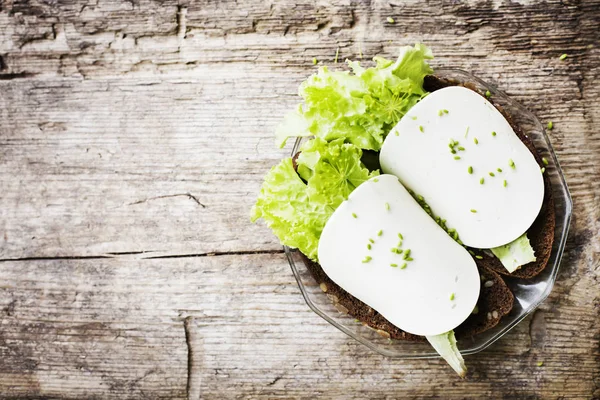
(133, 130)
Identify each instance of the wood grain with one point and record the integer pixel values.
(133, 130)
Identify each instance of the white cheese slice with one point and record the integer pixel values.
(433, 294)
(485, 215)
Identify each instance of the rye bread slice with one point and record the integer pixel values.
(541, 232)
(495, 301)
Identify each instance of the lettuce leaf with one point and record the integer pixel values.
(297, 211)
(360, 107)
(445, 345)
(515, 254)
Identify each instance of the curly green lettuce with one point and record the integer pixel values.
(361, 106)
(297, 210)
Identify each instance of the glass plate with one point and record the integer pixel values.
(529, 293)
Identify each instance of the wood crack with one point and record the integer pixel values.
(219, 253)
(188, 195)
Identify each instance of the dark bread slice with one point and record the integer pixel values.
(541, 232)
(495, 301)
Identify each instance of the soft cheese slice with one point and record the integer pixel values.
(433, 294)
(487, 214)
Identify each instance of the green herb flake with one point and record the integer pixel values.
(550, 125)
(387, 206)
(380, 233)
(393, 265)
(451, 296)
(421, 128)
(445, 111)
(457, 157)
(493, 133)
(511, 163)
(367, 259)
(545, 160)
(475, 141)
(315, 61)
(473, 210)
(414, 117)
(499, 169)
(540, 363)
(470, 170)
(461, 148)
(403, 266)
(396, 133)
(400, 236)
(390, 20)
(562, 57)
(369, 246)
(354, 215)
(543, 169)
(491, 174)
(504, 183)
(421, 198)
(337, 53)
(479, 257)
(409, 259)
(440, 113)
(481, 181)
(371, 240)
(466, 132)
(375, 180)
(488, 94)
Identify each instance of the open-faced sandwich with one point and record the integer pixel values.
(412, 197)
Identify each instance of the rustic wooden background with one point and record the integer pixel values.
(134, 136)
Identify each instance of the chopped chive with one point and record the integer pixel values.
(467, 131)
(407, 252)
(488, 94)
(540, 363)
(380, 233)
(511, 163)
(369, 246)
(479, 257)
(481, 181)
(461, 148)
(473, 210)
(414, 118)
(440, 113)
(493, 133)
(403, 266)
(393, 265)
(492, 174)
(472, 252)
(475, 141)
(504, 183)
(409, 259)
(337, 53)
(390, 20)
(315, 61)
(499, 169)
(400, 236)
(367, 259)
(470, 170)
(543, 169)
(562, 57)
(457, 157)
(451, 296)
(453, 151)
(387, 206)
(545, 161)
(421, 198)
(550, 125)
(354, 215)
(396, 133)
(375, 180)
(421, 128)
(371, 240)
(445, 111)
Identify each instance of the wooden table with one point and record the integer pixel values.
(133, 140)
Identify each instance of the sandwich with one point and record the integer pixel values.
(412, 198)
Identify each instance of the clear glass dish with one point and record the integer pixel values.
(529, 293)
